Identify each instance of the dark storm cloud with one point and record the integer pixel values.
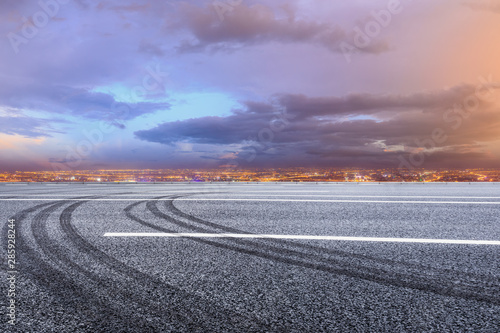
(369, 104)
(316, 133)
(309, 118)
(313, 116)
(248, 25)
(210, 130)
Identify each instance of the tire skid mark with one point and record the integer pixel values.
(58, 285)
(196, 317)
(18, 217)
(492, 280)
(61, 282)
(110, 292)
(441, 287)
(123, 291)
(251, 243)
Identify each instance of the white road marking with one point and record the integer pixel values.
(275, 191)
(152, 194)
(306, 237)
(342, 201)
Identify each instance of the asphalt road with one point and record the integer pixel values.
(72, 278)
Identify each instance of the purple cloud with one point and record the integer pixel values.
(317, 133)
(250, 25)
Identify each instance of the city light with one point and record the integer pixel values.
(256, 175)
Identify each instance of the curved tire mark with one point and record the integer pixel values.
(416, 281)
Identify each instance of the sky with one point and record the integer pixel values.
(249, 84)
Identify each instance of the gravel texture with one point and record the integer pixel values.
(73, 279)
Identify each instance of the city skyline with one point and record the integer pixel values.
(253, 175)
(249, 84)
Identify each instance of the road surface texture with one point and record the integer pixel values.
(104, 257)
